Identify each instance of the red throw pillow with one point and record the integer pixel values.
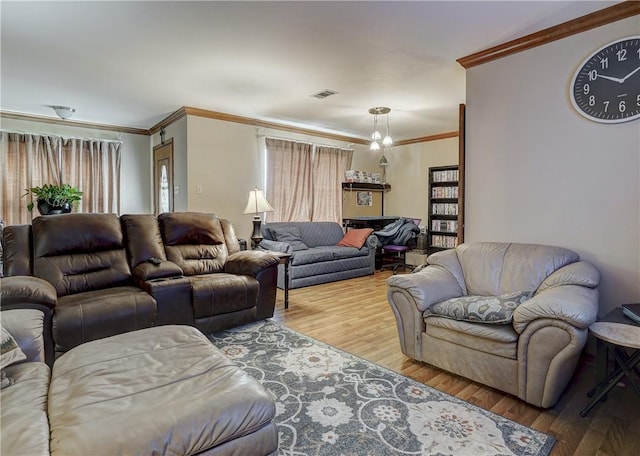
(355, 238)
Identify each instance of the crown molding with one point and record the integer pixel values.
(73, 123)
(185, 110)
(451, 134)
(581, 24)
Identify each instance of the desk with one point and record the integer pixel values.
(374, 222)
(616, 335)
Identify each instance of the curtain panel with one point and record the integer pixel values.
(329, 165)
(289, 180)
(26, 161)
(32, 160)
(304, 181)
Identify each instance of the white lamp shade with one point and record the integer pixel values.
(257, 203)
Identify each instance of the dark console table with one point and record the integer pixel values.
(376, 222)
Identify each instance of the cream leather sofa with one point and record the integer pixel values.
(160, 390)
(511, 316)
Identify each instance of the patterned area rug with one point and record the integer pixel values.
(329, 402)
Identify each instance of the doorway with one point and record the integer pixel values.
(163, 177)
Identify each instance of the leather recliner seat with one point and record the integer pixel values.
(97, 275)
(511, 316)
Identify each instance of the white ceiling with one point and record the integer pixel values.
(134, 63)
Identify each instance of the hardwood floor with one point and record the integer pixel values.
(354, 315)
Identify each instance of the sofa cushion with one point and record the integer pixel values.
(480, 309)
(80, 252)
(500, 340)
(313, 255)
(494, 268)
(291, 235)
(11, 352)
(340, 253)
(162, 390)
(222, 293)
(355, 237)
(190, 228)
(25, 427)
(96, 314)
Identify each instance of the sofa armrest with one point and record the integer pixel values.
(428, 286)
(579, 273)
(250, 262)
(574, 304)
(150, 271)
(17, 290)
(26, 326)
(276, 246)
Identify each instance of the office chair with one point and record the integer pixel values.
(400, 253)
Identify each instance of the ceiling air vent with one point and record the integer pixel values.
(324, 94)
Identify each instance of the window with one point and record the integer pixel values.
(304, 180)
(31, 160)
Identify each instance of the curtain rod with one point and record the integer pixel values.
(62, 136)
(305, 142)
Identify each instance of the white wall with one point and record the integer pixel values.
(135, 179)
(227, 160)
(537, 171)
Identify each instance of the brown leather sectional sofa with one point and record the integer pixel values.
(97, 275)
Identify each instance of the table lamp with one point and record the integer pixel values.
(257, 204)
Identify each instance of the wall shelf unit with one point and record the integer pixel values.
(444, 228)
(363, 199)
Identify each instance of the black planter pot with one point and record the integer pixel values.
(46, 209)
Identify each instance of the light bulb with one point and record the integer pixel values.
(387, 141)
(374, 146)
(376, 135)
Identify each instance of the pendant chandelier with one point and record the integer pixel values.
(376, 136)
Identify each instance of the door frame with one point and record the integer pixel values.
(162, 151)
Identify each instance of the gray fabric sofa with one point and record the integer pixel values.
(511, 316)
(161, 390)
(316, 257)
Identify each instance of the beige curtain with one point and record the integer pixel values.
(93, 166)
(288, 180)
(26, 160)
(329, 165)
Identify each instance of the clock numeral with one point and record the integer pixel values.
(604, 63)
(592, 100)
(638, 100)
(593, 75)
(606, 106)
(622, 55)
(586, 88)
(622, 107)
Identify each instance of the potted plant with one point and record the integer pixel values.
(53, 199)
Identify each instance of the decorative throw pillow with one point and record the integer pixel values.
(10, 351)
(289, 234)
(481, 309)
(5, 380)
(355, 238)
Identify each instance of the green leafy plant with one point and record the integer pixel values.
(55, 195)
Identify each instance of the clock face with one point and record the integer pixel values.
(606, 87)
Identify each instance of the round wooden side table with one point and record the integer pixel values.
(620, 339)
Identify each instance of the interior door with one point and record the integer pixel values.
(163, 177)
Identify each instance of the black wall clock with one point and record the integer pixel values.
(606, 87)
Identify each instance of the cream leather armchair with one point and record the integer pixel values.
(514, 317)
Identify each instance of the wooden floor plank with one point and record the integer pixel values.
(354, 315)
